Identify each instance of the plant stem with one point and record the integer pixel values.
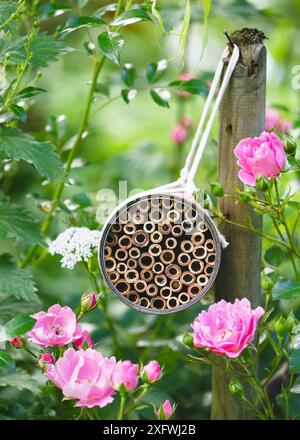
(131, 407)
(97, 67)
(122, 406)
(13, 15)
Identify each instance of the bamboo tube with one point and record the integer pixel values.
(156, 215)
(155, 250)
(167, 256)
(167, 203)
(179, 206)
(134, 252)
(111, 239)
(129, 228)
(208, 270)
(134, 297)
(146, 260)
(122, 286)
(165, 228)
(149, 227)
(131, 263)
(145, 302)
(140, 286)
(198, 238)
(147, 275)
(210, 245)
(110, 264)
(137, 218)
(173, 216)
(199, 252)
(156, 237)
(144, 206)
(116, 227)
(177, 231)
(124, 217)
(191, 214)
(187, 226)
(158, 268)
(160, 280)
(165, 292)
(202, 279)
(155, 202)
(173, 271)
(175, 285)
(186, 246)
(140, 238)
(202, 226)
(121, 267)
(151, 290)
(171, 243)
(107, 251)
(158, 303)
(196, 266)
(184, 259)
(184, 298)
(187, 278)
(114, 276)
(121, 254)
(125, 242)
(172, 302)
(210, 258)
(194, 290)
(131, 276)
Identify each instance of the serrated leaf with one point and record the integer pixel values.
(17, 222)
(133, 15)
(286, 289)
(295, 361)
(28, 92)
(7, 8)
(19, 112)
(15, 281)
(128, 95)
(156, 70)
(20, 380)
(16, 144)
(19, 325)
(6, 361)
(111, 45)
(161, 97)
(44, 49)
(83, 21)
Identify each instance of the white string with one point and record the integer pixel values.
(190, 168)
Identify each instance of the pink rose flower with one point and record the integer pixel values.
(226, 328)
(151, 372)
(85, 338)
(274, 121)
(57, 326)
(125, 373)
(260, 156)
(178, 134)
(165, 411)
(85, 376)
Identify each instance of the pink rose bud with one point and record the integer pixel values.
(17, 342)
(186, 122)
(272, 119)
(260, 156)
(178, 134)
(151, 372)
(45, 359)
(165, 411)
(226, 328)
(88, 302)
(125, 373)
(85, 341)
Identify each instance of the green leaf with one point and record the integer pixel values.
(28, 92)
(82, 200)
(7, 8)
(16, 282)
(128, 74)
(83, 21)
(43, 49)
(52, 10)
(286, 289)
(102, 89)
(295, 361)
(18, 326)
(128, 95)
(111, 45)
(133, 15)
(6, 361)
(20, 380)
(19, 112)
(17, 222)
(217, 189)
(16, 144)
(193, 86)
(161, 97)
(275, 255)
(156, 70)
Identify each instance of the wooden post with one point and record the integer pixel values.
(242, 114)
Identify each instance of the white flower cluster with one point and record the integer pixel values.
(74, 244)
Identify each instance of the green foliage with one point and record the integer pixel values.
(21, 380)
(286, 289)
(131, 16)
(111, 45)
(18, 326)
(6, 361)
(295, 361)
(43, 49)
(161, 97)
